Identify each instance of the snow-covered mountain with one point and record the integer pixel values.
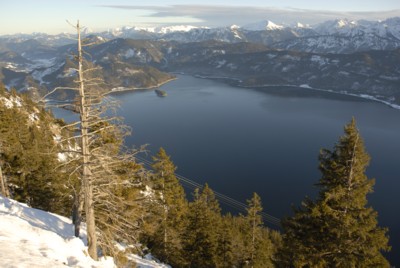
(35, 238)
(347, 36)
(336, 36)
(263, 25)
(231, 34)
(345, 27)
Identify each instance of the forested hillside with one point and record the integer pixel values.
(30, 153)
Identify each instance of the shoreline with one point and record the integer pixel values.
(125, 89)
(362, 96)
(305, 86)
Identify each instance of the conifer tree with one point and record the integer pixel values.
(258, 246)
(225, 242)
(200, 238)
(254, 219)
(171, 208)
(339, 229)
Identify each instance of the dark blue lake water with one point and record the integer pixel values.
(267, 141)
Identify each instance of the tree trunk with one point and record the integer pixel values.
(77, 212)
(165, 215)
(253, 239)
(86, 173)
(4, 188)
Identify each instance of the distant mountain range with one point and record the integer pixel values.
(351, 57)
(337, 36)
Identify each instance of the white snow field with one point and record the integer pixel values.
(34, 238)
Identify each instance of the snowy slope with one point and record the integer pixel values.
(34, 238)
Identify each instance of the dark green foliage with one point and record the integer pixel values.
(29, 155)
(225, 243)
(169, 211)
(338, 229)
(259, 248)
(200, 239)
(198, 235)
(254, 221)
(247, 243)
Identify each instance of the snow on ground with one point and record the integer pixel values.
(32, 238)
(11, 101)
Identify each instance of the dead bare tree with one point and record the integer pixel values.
(87, 187)
(108, 193)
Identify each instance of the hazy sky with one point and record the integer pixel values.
(50, 16)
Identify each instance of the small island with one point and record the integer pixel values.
(160, 93)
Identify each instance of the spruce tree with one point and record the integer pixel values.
(339, 229)
(200, 239)
(171, 208)
(255, 222)
(258, 246)
(225, 242)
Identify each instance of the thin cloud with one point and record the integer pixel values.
(226, 15)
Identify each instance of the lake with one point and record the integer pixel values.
(242, 140)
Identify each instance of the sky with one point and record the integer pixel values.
(50, 16)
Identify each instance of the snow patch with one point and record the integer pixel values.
(177, 28)
(62, 157)
(318, 59)
(33, 117)
(11, 102)
(219, 51)
(147, 262)
(67, 73)
(34, 238)
(148, 192)
(39, 74)
(231, 66)
(220, 63)
(129, 53)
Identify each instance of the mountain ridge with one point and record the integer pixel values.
(369, 35)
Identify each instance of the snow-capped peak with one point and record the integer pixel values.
(176, 28)
(263, 25)
(341, 23)
(344, 23)
(234, 27)
(87, 31)
(272, 26)
(299, 25)
(342, 26)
